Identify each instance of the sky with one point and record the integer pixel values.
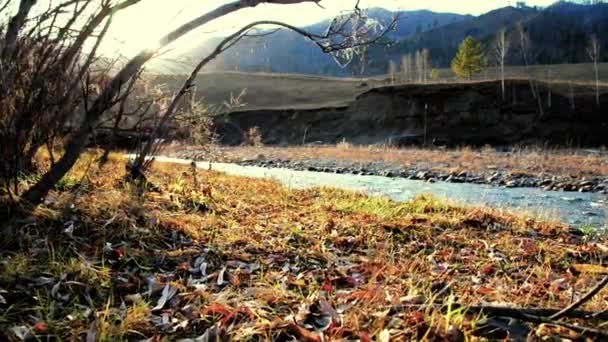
(140, 26)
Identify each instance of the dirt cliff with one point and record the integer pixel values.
(450, 114)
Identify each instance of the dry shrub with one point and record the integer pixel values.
(253, 137)
(193, 123)
(50, 74)
(344, 145)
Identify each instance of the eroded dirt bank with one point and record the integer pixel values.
(453, 114)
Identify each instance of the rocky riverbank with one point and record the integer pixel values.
(500, 178)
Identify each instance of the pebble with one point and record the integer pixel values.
(496, 178)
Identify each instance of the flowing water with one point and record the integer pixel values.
(576, 209)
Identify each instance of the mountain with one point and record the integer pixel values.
(443, 42)
(558, 34)
(286, 51)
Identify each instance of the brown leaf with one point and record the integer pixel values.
(485, 290)
(302, 334)
(590, 269)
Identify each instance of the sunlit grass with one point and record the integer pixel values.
(274, 250)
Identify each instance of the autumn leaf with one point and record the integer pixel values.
(40, 327)
(302, 334)
(487, 269)
(485, 290)
(590, 269)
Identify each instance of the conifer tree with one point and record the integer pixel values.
(469, 59)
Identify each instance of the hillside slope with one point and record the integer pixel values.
(558, 34)
(288, 52)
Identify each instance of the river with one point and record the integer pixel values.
(576, 209)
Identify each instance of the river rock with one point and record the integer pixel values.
(421, 175)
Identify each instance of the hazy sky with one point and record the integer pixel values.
(141, 25)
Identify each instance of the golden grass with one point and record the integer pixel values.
(527, 161)
(272, 253)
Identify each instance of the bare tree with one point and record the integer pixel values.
(524, 46)
(594, 51)
(108, 96)
(425, 56)
(392, 71)
(419, 66)
(346, 32)
(47, 75)
(501, 49)
(406, 67)
(525, 49)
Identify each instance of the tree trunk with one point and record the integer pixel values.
(502, 77)
(597, 83)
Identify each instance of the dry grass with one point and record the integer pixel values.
(277, 91)
(526, 161)
(96, 259)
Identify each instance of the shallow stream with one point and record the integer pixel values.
(576, 209)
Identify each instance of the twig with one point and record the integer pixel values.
(582, 300)
(583, 330)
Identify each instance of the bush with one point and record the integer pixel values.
(253, 137)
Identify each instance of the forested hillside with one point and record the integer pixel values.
(557, 34)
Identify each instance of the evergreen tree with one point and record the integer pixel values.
(469, 59)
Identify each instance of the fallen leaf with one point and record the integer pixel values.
(529, 247)
(213, 334)
(40, 327)
(20, 331)
(551, 330)
(415, 318)
(590, 269)
(302, 334)
(487, 269)
(220, 277)
(384, 336)
(364, 337)
(69, 228)
(558, 285)
(485, 290)
(413, 299)
(133, 298)
(168, 293)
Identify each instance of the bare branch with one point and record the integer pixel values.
(582, 300)
(78, 141)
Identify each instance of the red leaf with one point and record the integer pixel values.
(302, 334)
(485, 290)
(415, 318)
(40, 327)
(364, 337)
(183, 267)
(529, 247)
(217, 309)
(487, 269)
(119, 253)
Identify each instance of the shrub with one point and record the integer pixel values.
(253, 137)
